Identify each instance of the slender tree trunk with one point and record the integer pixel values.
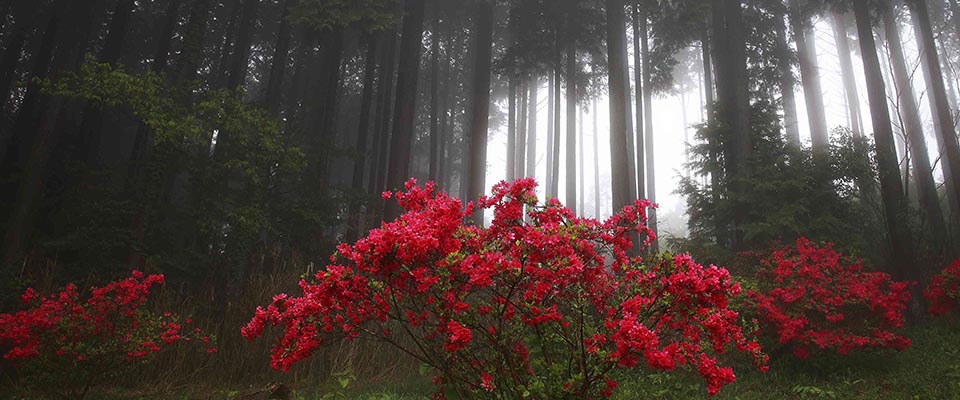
(548, 186)
(648, 134)
(405, 111)
(596, 162)
(894, 201)
(435, 37)
(810, 76)
(640, 65)
(512, 130)
(571, 156)
(384, 116)
(521, 145)
(363, 131)
(927, 189)
(481, 105)
(241, 55)
(281, 51)
(949, 147)
(557, 129)
(785, 60)
(846, 72)
(165, 38)
(617, 73)
(581, 166)
(532, 130)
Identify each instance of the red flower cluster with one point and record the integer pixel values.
(943, 293)
(96, 335)
(812, 298)
(541, 301)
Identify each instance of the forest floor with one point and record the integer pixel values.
(929, 369)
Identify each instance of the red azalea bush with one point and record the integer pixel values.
(943, 294)
(541, 304)
(65, 343)
(812, 298)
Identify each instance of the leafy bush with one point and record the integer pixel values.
(812, 298)
(542, 304)
(67, 345)
(943, 293)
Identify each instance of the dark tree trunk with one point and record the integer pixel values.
(949, 147)
(571, 156)
(929, 201)
(241, 54)
(281, 50)
(733, 104)
(165, 38)
(640, 67)
(810, 77)
(548, 186)
(891, 189)
(382, 129)
(113, 44)
(617, 73)
(363, 131)
(846, 72)
(651, 192)
(785, 60)
(435, 38)
(192, 50)
(226, 46)
(511, 173)
(480, 105)
(521, 148)
(532, 130)
(405, 110)
(557, 129)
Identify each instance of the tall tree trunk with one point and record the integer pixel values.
(617, 72)
(891, 189)
(113, 44)
(785, 60)
(929, 201)
(511, 130)
(548, 186)
(581, 166)
(165, 38)
(192, 51)
(640, 65)
(405, 111)
(733, 104)
(596, 162)
(481, 105)
(846, 72)
(384, 115)
(226, 47)
(949, 147)
(363, 131)
(571, 156)
(278, 64)
(521, 145)
(810, 77)
(435, 37)
(532, 130)
(241, 54)
(557, 129)
(648, 134)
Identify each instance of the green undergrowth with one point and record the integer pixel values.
(929, 369)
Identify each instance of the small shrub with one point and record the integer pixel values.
(812, 298)
(943, 293)
(66, 344)
(540, 305)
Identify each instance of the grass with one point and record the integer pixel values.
(929, 369)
